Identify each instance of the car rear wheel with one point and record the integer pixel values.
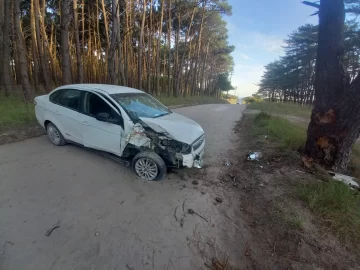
(55, 135)
(149, 166)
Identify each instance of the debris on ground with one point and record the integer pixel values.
(192, 212)
(307, 162)
(97, 234)
(184, 176)
(219, 200)
(175, 213)
(254, 156)
(348, 180)
(217, 265)
(182, 222)
(195, 182)
(49, 232)
(227, 163)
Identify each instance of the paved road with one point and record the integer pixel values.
(108, 218)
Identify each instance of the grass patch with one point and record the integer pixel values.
(337, 204)
(285, 216)
(354, 165)
(282, 108)
(190, 100)
(14, 112)
(290, 134)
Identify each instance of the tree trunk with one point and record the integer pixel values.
(121, 59)
(2, 20)
(64, 40)
(6, 48)
(41, 48)
(35, 59)
(77, 41)
(112, 51)
(169, 50)
(335, 119)
(158, 49)
(141, 41)
(21, 50)
(106, 25)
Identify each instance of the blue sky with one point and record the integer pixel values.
(257, 29)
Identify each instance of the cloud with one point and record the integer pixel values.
(268, 43)
(246, 78)
(244, 56)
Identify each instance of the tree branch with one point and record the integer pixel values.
(311, 4)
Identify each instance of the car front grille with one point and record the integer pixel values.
(198, 142)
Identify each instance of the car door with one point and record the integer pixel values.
(66, 114)
(101, 133)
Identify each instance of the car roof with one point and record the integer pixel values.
(108, 88)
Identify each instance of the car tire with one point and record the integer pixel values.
(55, 135)
(144, 166)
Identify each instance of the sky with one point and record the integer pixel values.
(257, 29)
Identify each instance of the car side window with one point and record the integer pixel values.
(69, 98)
(95, 105)
(55, 96)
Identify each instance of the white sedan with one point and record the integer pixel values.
(122, 123)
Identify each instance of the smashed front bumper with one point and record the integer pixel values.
(195, 158)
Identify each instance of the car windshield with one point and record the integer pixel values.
(141, 105)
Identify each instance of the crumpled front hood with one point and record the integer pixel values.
(179, 127)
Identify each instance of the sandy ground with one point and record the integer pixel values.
(107, 217)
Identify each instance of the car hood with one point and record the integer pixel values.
(177, 126)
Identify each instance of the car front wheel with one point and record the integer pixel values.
(55, 135)
(149, 166)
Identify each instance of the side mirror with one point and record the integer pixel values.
(103, 117)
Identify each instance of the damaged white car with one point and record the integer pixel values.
(122, 123)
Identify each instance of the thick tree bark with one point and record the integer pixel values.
(140, 47)
(2, 19)
(6, 71)
(106, 24)
(112, 50)
(64, 40)
(42, 48)
(335, 119)
(121, 59)
(77, 41)
(35, 58)
(21, 50)
(169, 49)
(158, 49)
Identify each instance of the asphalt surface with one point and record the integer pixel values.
(107, 217)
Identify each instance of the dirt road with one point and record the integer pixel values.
(107, 217)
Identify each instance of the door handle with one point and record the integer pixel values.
(57, 112)
(84, 123)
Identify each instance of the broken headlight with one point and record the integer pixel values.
(176, 146)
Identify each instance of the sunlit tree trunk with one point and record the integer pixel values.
(35, 59)
(21, 51)
(140, 47)
(42, 48)
(112, 50)
(120, 49)
(169, 49)
(158, 48)
(77, 41)
(64, 40)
